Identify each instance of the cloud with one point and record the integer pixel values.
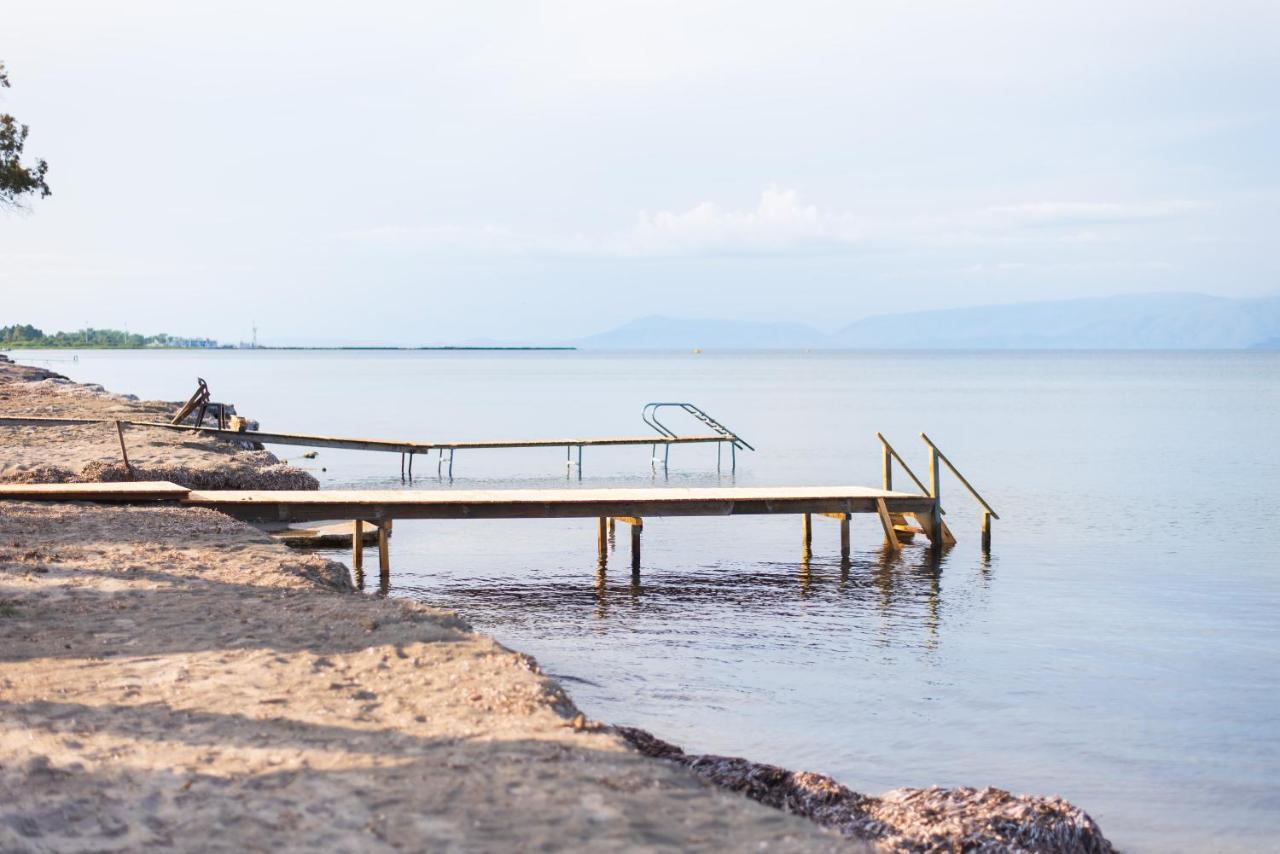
(1056, 214)
(780, 224)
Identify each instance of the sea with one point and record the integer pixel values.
(1119, 645)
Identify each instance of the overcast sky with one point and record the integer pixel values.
(413, 172)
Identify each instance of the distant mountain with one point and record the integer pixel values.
(1148, 321)
(657, 332)
(1154, 321)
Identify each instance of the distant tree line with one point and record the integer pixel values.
(26, 335)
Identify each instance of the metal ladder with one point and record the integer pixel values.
(650, 416)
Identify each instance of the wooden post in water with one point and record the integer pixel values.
(384, 557)
(806, 535)
(844, 535)
(986, 531)
(357, 552)
(637, 525)
(602, 539)
(935, 490)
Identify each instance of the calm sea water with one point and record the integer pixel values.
(1120, 647)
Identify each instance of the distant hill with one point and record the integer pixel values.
(1156, 321)
(1148, 321)
(657, 332)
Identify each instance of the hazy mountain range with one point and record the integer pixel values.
(1149, 321)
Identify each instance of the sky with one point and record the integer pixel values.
(440, 173)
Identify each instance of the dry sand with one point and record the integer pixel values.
(171, 678)
(91, 452)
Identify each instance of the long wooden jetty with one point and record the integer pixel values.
(902, 515)
(630, 506)
(662, 437)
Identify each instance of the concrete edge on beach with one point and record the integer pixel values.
(170, 672)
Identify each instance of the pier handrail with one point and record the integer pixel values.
(934, 449)
(650, 416)
(888, 477)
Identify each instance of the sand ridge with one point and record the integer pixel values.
(91, 452)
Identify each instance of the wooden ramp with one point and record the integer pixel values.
(159, 490)
(662, 438)
(332, 536)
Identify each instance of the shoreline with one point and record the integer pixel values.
(170, 667)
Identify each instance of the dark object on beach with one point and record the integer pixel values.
(902, 820)
(197, 403)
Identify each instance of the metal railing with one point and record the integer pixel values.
(934, 489)
(650, 416)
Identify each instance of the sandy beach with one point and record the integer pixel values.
(172, 678)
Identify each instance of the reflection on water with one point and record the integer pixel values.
(892, 594)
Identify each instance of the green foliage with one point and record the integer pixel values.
(17, 180)
(26, 335)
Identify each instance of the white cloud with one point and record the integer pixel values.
(778, 224)
(781, 224)
(1053, 214)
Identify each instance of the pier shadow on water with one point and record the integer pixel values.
(889, 597)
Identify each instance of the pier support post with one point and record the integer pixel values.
(935, 490)
(886, 466)
(844, 535)
(357, 552)
(806, 534)
(986, 531)
(637, 525)
(635, 550)
(602, 539)
(384, 558)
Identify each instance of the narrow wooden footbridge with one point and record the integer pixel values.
(902, 515)
(660, 440)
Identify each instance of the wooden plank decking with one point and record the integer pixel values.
(159, 490)
(310, 440)
(301, 506)
(631, 506)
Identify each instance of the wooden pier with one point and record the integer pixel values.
(662, 438)
(902, 515)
